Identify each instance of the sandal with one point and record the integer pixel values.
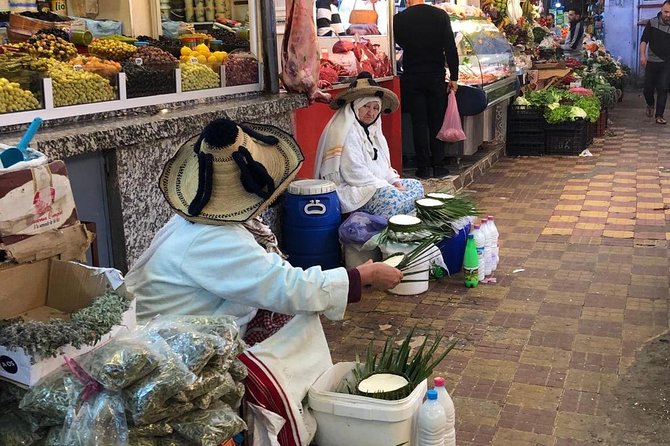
(660, 120)
(650, 112)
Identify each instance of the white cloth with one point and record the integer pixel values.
(345, 156)
(192, 268)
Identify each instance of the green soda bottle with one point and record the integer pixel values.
(471, 263)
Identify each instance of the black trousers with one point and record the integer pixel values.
(425, 99)
(656, 78)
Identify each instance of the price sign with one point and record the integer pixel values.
(193, 60)
(138, 61)
(77, 67)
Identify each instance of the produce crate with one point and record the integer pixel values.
(526, 116)
(522, 142)
(601, 124)
(590, 132)
(18, 22)
(569, 138)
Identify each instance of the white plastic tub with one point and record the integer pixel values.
(362, 421)
(355, 255)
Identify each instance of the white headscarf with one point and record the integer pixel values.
(328, 154)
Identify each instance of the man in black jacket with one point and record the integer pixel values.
(425, 35)
(655, 57)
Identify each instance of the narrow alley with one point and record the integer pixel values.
(547, 355)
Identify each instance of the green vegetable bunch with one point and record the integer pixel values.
(561, 106)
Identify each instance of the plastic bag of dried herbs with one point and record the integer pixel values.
(234, 398)
(160, 429)
(10, 394)
(122, 361)
(222, 326)
(49, 399)
(16, 432)
(238, 370)
(142, 441)
(146, 398)
(53, 437)
(174, 440)
(210, 427)
(210, 378)
(99, 421)
(195, 349)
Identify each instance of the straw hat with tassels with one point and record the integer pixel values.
(364, 86)
(231, 172)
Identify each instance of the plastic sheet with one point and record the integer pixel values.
(359, 227)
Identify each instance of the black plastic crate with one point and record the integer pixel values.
(522, 142)
(590, 132)
(569, 138)
(525, 115)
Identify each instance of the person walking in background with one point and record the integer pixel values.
(424, 33)
(328, 21)
(655, 57)
(572, 47)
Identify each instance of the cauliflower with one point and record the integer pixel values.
(521, 101)
(576, 113)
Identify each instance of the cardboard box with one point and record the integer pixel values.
(70, 243)
(53, 288)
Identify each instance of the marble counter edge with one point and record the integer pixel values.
(80, 138)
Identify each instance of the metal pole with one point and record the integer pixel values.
(269, 36)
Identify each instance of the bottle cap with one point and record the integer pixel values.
(439, 381)
(490, 217)
(471, 237)
(477, 226)
(431, 394)
(482, 221)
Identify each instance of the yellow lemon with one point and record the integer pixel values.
(185, 51)
(185, 59)
(202, 59)
(225, 55)
(212, 60)
(219, 56)
(202, 49)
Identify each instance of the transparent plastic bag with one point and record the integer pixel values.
(238, 370)
(16, 432)
(145, 399)
(208, 381)
(98, 421)
(121, 362)
(234, 397)
(210, 427)
(49, 400)
(359, 227)
(53, 437)
(160, 429)
(452, 130)
(227, 389)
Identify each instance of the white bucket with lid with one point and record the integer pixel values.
(408, 229)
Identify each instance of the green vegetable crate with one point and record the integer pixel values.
(525, 131)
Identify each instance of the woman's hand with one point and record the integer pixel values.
(398, 185)
(380, 275)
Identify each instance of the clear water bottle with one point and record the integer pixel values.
(448, 405)
(496, 238)
(432, 422)
(488, 247)
(480, 242)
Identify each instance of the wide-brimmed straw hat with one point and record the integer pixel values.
(364, 86)
(231, 172)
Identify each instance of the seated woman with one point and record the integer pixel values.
(353, 153)
(216, 257)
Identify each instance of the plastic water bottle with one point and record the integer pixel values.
(496, 237)
(432, 421)
(480, 242)
(448, 405)
(488, 247)
(471, 263)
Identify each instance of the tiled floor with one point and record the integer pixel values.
(582, 284)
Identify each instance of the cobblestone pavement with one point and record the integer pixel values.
(582, 284)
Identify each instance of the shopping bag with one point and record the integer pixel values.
(451, 130)
(363, 16)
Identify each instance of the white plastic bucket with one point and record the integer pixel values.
(344, 419)
(355, 255)
(418, 272)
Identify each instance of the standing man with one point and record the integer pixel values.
(655, 57)
(424, 33)
(572, 47)
(551, 25)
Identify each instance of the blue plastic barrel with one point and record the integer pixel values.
(453, 250)
(309, 224)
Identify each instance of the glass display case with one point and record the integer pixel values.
(486, 58)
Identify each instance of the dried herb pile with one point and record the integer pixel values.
(46, 338)
(175, 381)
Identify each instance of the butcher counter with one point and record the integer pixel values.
(114, 161)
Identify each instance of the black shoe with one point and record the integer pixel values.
(440, 172)
(424, 173)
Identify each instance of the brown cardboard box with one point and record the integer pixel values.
(69, 243)
(53, 288)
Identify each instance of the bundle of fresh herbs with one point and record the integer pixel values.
(396, 361)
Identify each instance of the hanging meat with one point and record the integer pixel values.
(300, 53)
